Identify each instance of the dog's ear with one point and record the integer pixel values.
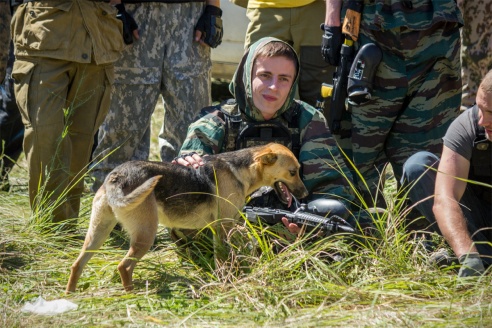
(268, 158)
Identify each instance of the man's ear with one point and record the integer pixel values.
(268, 158)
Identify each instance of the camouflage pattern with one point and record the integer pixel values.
(476, 47)
(417, 94)
(323, 170)
(165, 62)
(4, 37)
(414, 14)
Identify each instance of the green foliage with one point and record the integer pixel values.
(268, 277)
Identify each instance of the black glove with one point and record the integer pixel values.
(331, 44)
(129, 24)
(471, 265)
(210, 24)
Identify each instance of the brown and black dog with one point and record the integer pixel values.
(140, 195)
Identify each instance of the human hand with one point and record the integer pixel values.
(292, 227)
(471, 265)
(331, 44)
(190, 159)
(209, 29)
(130, 27)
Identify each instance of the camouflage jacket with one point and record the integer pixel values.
(322, 168)
(414, 14)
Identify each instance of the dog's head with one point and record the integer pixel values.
(278, 167)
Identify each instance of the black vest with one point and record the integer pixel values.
(242, 133)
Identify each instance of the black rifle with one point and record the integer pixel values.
(328, 225)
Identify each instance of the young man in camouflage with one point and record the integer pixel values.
(63, 73)
(476, 46)
(417, 86)
(171, 59)
(263, 88)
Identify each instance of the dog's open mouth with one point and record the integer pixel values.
(283, 193)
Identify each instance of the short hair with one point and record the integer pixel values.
(278, 49)
(486, 84)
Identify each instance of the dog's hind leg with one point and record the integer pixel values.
(101, 223)
(141, 224)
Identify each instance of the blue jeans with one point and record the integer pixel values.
(421, 180)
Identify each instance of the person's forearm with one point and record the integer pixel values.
(452, 224)
(333, 9)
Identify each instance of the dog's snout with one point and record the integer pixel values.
(300, 191)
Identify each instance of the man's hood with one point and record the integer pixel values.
(241, 88)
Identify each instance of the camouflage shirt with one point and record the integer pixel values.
(414, 14)
(323, 170)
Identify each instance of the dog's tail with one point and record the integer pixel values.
(116, 197)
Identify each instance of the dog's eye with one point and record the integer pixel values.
(292, 173)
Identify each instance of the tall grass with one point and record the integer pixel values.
(382, 279)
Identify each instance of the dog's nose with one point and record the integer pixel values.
(301, 192)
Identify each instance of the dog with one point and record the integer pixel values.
(141, 194)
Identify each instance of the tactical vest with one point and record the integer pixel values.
(241, 133)
(481, 162)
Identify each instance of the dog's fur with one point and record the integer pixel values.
(140, 195)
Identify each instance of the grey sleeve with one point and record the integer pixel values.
(461, 134)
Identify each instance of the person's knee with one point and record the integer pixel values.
(417, 164)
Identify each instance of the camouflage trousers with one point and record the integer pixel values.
(165, 62)
(417, 94)
(476, 48)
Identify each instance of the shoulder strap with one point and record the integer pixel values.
(233, 120)
(293, 118)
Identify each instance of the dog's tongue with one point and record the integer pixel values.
(286, 193)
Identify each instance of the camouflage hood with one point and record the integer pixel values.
(241, 89)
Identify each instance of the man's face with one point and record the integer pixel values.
(272, 80)
(484, 103)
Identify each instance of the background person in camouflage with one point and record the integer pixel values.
(476, 46)
(417, 86)
(169, 59)
(63, 78)
(264, 87)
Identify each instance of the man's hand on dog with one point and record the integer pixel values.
(191, 159)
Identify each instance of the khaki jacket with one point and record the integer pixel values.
(74, 30)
